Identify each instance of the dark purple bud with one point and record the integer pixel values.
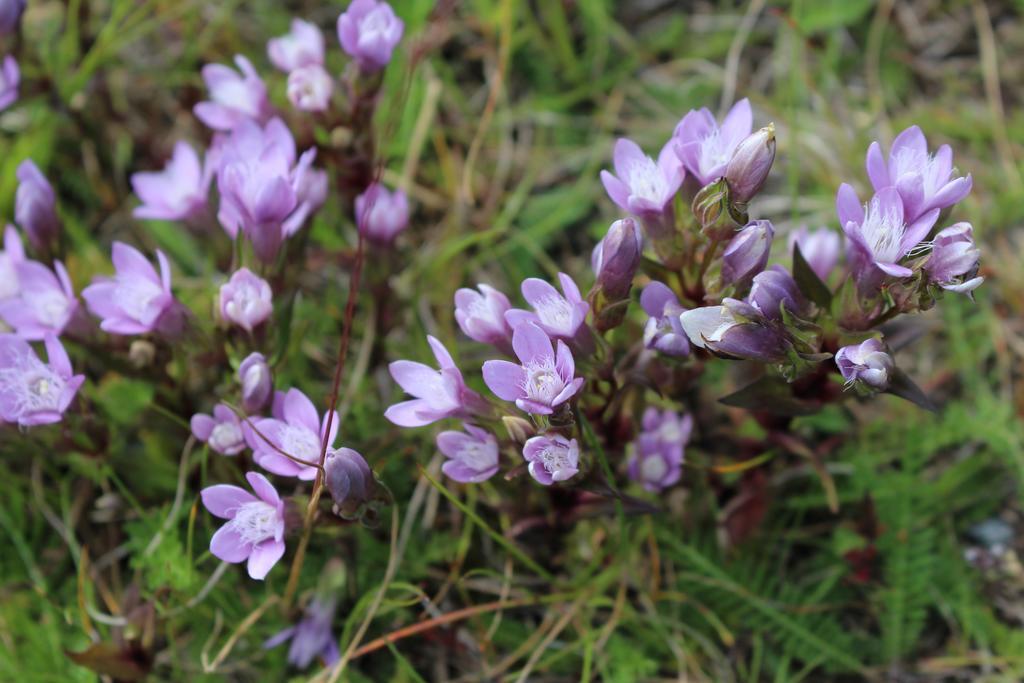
(10, 15)
(617, 257)
(349, 480)
(750, 165)
(773, 289)
(747, 253)
(734, 330)
(35, 205)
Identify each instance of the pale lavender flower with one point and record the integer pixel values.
(10, 15)
(438, 393)
(310, 88)
(256, 382)
(735, 330)
(659, 449)
(302, 46)
(552, 458)
(136, 300)
(349, 480)
(255, 527)
(45, 304)
(953, 263)
(235, 96)
(867, 362)
(222, 431)
(705, 148)
(542, 381)
(10, 79)
(381, 214)
(663, 331)
(246, 300)
(640, 185)
(561, 317)
(369, 31)
(10, 257)
(481, 315)
(879, 235)
(923, 181)
(773, 290)
(472, 455)
(33, 392)
(616, 258)
(35, 205)
(747, 253)
(310, 185)
(177, 192)
(298, 432)
(820, 248)
(312, 636)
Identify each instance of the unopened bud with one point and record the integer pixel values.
(350, 482)
(747, 253)
(710, 203)
(257, 384)
(617, 257)
(750, 165)
(519, 430)
(775, 289)
(141, 353)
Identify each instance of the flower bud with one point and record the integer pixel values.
(953, 263)
(747, 253)
(35, 205)
(867, 363)
(710, 203)
(245, 300)
(10, 79)
(616, 258)
(750, 165)
(349, 480)
(774, 289)
(310, 88)
(381, 215)
(735, 331)
(141, 353)
(10, 15)
(257, 385)
(519, 430)
(481, 315)
(369, 31)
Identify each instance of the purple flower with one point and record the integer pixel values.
(773, 290)
(222, 431)
(705, 148)
(10, 78)
(10, 257)
(310, 88)
(381, 215)
(35, 205)
(136, 300)
(257, 386)
(820, 248)
(747, 253)
(879, 234)
(735, 330)
(234, 97)
(481, 315)
(32, 392)
(177, 192)
(867, 362)
(472, 455)
(544, 380)
(369, 31)
(953, 263)
(552, 458)
(922, 180)
(255, 527)
(438, 393)
(10, 15)
(641, 186)
(616, 258)
(298, 432)
(658, 452)
(663, 331)
(312, 636)
(349, 480)
(245, 300)
(302, 46)
(561, 317)
(748, 169)
(45, 303)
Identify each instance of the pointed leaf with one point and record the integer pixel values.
(808, 281)
(771, 395)
(904, 387)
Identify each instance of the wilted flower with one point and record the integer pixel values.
(472, 455)
(773, 290)
(312, 636)
(658, 452)
(298, 432)
(310, 88)
(177, 192)
(616, 258)
(257, 386)
(381, 214)
(10, 257)
(481, 315)
(748, 169)
(867, 362)
(735, 330)
(561, 317)
(302, 46)
(747, 253)
(10, 79)
(246, 300)
(234, 97)
(369, 31)
(552, 458)
(879, 234)
(438, 393)
(10, 15)
(820, 248)
(349, 480)
(35, 205)
(45, 303)
(222, 431)
(255, 527)
(544, 380)
(136, 300)
(705, 148)
(32, 392)
(663, 332)
(641, 186)
(953, 263)
(922, 180)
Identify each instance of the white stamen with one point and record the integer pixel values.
(543, 383)
(555, 312)
(256, 521)
(883, 232)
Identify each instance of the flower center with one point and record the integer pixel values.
(670, 431)
(374, 26)
(543, 383)
(714, 152)
(245, 303)
(135, 296)
(256, 522)
(50, 307)
(477, 455)
(883, 232)
(225, 436)
(555, 312)
(300, 443)
(645, 180)
(556, 458)
(653, 468)
(32, 385)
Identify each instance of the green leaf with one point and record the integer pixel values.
(824, 15)
(124, 399)
(808, 281)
